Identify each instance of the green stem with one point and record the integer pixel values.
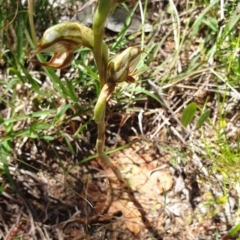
(100, 106)
(101, 57)
(99, 113)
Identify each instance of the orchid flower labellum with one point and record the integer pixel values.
(121, 67)
(62, 40)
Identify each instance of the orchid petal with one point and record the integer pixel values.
(59, 60)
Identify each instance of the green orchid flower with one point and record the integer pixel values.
(62, 40)
(121, 67)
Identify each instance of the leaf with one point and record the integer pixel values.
(40, 126)
(149, 93)
(188, 114)
(211, 23)
(233, 231)
(5, 151)
(202, 118)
